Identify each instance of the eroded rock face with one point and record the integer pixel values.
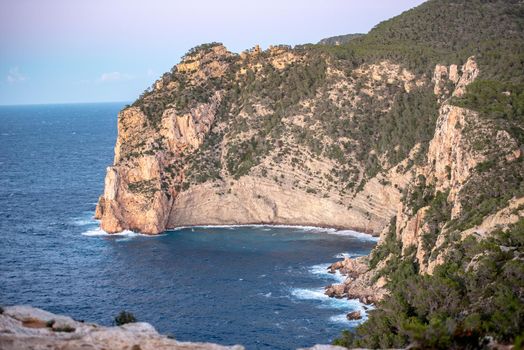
(253, 200)
(146, 190)
(359, 282)
(450, 156)
(25, 327)
(452, 159)
(133, 198)
(138, 193)
(157, 183)
(452, 81)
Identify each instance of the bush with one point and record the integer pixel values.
(124, 317)
(67, 329)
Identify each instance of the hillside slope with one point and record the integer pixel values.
(263, 137)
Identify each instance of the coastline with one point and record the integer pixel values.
(329, 229)
(321, 229)
(359, 230)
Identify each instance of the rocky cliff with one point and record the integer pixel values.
(212, 143)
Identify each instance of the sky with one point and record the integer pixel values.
(67, 51)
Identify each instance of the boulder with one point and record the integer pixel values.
(336, 291)
(355, 315)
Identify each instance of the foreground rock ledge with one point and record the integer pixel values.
(25, 327)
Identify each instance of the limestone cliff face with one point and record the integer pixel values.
(453, 159)
(137, 195)
(253, 200)
(160, 177)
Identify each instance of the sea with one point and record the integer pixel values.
(260, 286)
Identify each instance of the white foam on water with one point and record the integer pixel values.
(127, 234)
(93, 229)
(351, 233)
(347, 255)
(339, 318)
(84, 222)
(267, 227)
(308, 294)
(99, 232)
(325, 301)
(86, 219)
(342, 318)
(321, 270)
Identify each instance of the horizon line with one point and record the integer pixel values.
(59, 103)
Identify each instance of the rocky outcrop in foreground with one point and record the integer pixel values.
(25, 327)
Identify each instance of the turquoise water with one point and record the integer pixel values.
(257, 286)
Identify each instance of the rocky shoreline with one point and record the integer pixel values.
(359, 283)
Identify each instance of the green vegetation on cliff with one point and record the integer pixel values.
(476, 293)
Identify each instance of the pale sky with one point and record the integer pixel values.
(62, 51)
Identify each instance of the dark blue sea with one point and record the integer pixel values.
(260, 287)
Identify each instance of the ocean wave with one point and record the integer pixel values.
(325, 302)
(84, 222)
(98, 232)
(309, 294)
(347, 255)
(342, 318)
(359, 235)
(321, 270)
(87, 218)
